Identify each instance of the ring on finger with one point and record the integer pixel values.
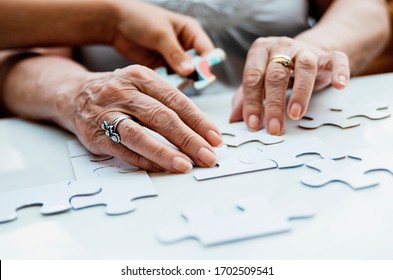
(284, 60)
(110, 128)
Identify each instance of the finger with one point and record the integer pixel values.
(156, 87)
(340, 69)
(253, 84)
(194, 37)
(170, 48)
(139, 141)
(276, 84)
(306, 67)
(237, 106)
(166, 122)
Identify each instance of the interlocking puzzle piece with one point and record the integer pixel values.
(229, 164)
(117, 191)
(355, 176)
(119, 181)
(53, 198)
(342, 115)
(84, 163)
(286, 154)
(255, 218)
(202, 75)
(240, 135)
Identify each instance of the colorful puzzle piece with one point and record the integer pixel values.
(53, 198)
(286, 154)
(239, 134)
(255, 218)
(342, 115)
(355, 176)
(202, 75)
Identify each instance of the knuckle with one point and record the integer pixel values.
(253, 104)
(162, 117)
(187, 141)
(307, 61)
(253, 78)
(138, 71)
(276, 75)
(133, 135)
(173, 99)
(275, 105)
(260, 42)
(285, 41)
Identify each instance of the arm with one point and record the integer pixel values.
(149, 40)
(360, 29)
(54, 88)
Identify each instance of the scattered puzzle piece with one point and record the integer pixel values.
(53, 198)
(229, 164)
(355, 176)
(342, 115)
(255, 218)
(119, 181)
(240, 135)
(286, 154)
(202, 76)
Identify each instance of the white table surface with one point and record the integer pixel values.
(348, 224)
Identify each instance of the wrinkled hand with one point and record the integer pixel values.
(150, 35)
(267, 81)
(141, 93)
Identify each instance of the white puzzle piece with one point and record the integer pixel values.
(355, 176)
(120, 183)
(53, 198)
(342, 115)
(117, 191)
(286, 154)
(239, 134)
(229, 164)
(255, 218)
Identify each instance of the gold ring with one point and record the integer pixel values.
(284, 60)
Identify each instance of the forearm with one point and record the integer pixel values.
(358, 28)
(26, 23)
(39, 87)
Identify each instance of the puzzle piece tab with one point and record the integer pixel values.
(229, 164)
(355, 176)
(342, 115)
(202, 76)
(120, 182)
(286, 154)
(240, 134)
(255, 218)
(53, 198)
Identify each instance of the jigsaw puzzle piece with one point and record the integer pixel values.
(356, 176)
(240, 134)
(255, 218)
(117, 191)
(372, 110)
(53, 198)
(229, 164)
(330, 172)
(286, 154)
(316, 119)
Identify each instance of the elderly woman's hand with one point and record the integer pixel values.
(262, 96)
(139, 92)
(151, 36)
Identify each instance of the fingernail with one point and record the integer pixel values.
(213, 138)
(253, 122)
(186, 65)
(274, 126)
(295, 111)
(342, 80)
(181, 164)
(207, 157)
